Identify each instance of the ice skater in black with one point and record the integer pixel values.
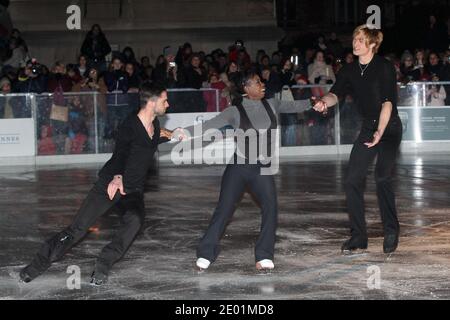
(120, 184)
(255, 117)
(372, 81)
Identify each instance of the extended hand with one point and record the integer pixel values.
(114, 185)
(165, 133)
(375, 141)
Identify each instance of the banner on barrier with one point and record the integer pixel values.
(17, 137)
(425, 124)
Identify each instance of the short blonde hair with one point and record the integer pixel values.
(374, 36)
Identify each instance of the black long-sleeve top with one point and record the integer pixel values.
(376, 86)
(133, 154)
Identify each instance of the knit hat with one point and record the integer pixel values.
(4, 81)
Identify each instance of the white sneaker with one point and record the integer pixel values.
(202, 263)
(265, 264)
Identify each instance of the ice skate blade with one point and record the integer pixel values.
(354, 252)
(200, 270)
(264, 271)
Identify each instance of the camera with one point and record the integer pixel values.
(172, 64)
(36, 68)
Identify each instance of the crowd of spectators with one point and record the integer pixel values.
(117, 77)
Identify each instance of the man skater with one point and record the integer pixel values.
(120, 184)
(372, 81)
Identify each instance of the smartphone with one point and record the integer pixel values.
(172, 64)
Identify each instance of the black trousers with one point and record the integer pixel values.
(360, 159)
(131, 207)
(234, 181)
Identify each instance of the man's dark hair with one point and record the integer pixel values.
(150, 91)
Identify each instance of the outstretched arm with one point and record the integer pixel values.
(228, 117)
(296, 106)
(327, 101)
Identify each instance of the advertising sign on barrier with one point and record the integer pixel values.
(425, 124)
(17, 137)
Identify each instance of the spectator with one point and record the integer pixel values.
(16, 34)
(287, 73)
(420, 62)
(276, 58)
(194, 74)
(319, 72)
(46, 146)
(95, 47)
(272, 82)
(116, 81)
(202, 55)
(183, 55)
(59, 79)
(309, 56)
(145, 62)
(238, 54)
(147, 74)
(409, 73)
(134, 83)
(216, 54)
(321, 45)
(6, 109)
(194, 78)
(349, 58)
(17, 55)
(435, 67)
(166, 73)
(160, 60)
(74, 74)
(215, 82)
(30, 79)
(446, 76)
(420, 59)
(265, 63)
(436, 95)
(77, 134)
(94, 83)
(207, 68)
(302, 120)
(233, 77)
(82, 66)
(128, 56)
(259, 54)
(290, 121)
(334, 45)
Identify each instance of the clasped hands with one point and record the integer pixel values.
(177, 134)
(319, 105)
